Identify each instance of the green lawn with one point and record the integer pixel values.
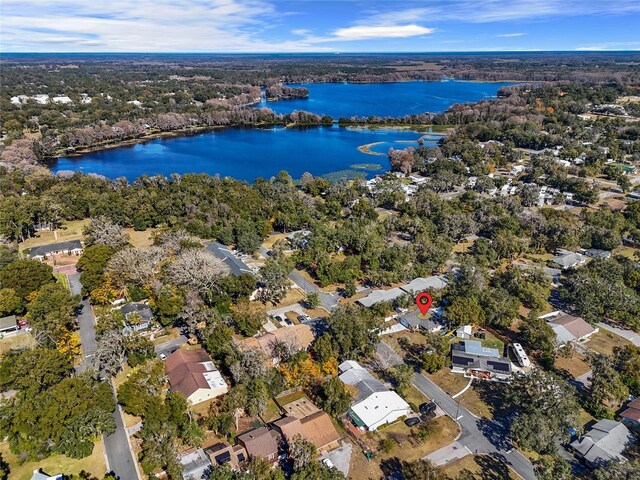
(94, 464)
(62, 279)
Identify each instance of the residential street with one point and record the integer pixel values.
(116, 445)
(328, 301)
(478, 435)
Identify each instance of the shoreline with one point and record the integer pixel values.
(366, 149)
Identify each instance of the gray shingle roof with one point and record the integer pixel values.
(366, 383)
(236, 266)
(54, 247)
(605, 442)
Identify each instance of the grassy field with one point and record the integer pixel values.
(572, 366)
(604, 342)
(56, 464)
(482, 467)
(24, 340)
(140, 239)
(63, 279)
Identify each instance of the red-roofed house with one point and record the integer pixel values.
(631, 415)
(192, 373)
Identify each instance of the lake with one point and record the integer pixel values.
(247, 154)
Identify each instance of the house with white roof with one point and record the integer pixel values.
(420, 284)
(375, 405)
(568, 259)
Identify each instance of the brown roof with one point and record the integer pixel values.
(577, 326)
(260, 442)
(290, 427)
(319, 429)
(631, 413)
(298, 336)
(185, 368)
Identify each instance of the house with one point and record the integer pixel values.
(375, 405)
(473, 360)
(192, 373)
(261, 443)
(236, 266)
(604, 442)
(465, 331)
(38, 475)
(412, 321)
(223, 453)
(316, 428)
(420, 284)
(569, 259)
(569, 328)
(631, 415)
(195, 463)
(8, 324)
(597, 253)
(296, 337)
(377, 296)
(72, 247)
(138, 316)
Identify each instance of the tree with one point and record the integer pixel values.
(4, 469)
(421, 470)
(618, 471)
(334, 397)
(538, 334)
(547, 408)
(33, 371)
(111, 352)
(51, 313)
(91, 266)
(102, 231)
(273, 278)
(552, 467)
(465, 310)
(402, 376)
(247, 318)
(313, 300)
(141, 387)
(138, 266)
(197, 269)
(301, 452)
(10, 302)
(354, 331)
(607, 386)
(26, 276)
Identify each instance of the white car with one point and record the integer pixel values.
(162, 356)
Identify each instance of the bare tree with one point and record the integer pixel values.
(111, 352)
(251, 365)
(137, 265)
(175, 240)
(103, 231)
(197, 269)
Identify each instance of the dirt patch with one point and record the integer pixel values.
(605, 341)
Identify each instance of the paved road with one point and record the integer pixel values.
(477, 434)
(328, 301)
(168, 347)
(630, 335)
(86, 323)
(116, 446)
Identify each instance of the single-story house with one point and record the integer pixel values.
(604, 442)
(473, 360)
(377, 296)
(465, 331)
(296, 337)
(195, 462)
(316, 428)
(236, 266)
(261, 442)
(597, 253)
(9, 324)
(631, 415)
(420, 284)
(569, 328)
(569, 259)
(192, 373)
(222, 453)
(375, 405)
(72, 247)
(39, 475)
(412, 321)
(141, 312)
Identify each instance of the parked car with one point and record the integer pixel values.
(412, 421)
(162, 356)
(287, 321)
(428, 407)
(303, 318)
(22, 323)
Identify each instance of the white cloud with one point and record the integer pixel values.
(509, 35)
(384, 31)
(611, 46)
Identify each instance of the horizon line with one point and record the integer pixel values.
(578, 51)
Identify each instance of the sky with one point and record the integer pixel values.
(263, 26)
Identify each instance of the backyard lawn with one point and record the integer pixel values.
(56, 464)
(69, 231)
(63, 280)
(572, 366)
(604, 341)
(24, 340)
(482, 467)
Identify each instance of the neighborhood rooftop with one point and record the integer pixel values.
(236, 266)
(44, 250)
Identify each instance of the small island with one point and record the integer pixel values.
(282, 92)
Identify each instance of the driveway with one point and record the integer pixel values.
(447, 454)
(630, 335)
(328, 300)
(168, 347)
(86, 324)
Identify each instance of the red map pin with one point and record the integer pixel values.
(423, 301)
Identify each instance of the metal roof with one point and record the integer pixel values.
(475, 347)
(236, 266)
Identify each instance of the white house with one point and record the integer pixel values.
(375, 405)
(72, 247)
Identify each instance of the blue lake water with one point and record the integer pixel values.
(247, 154)
(385, 99)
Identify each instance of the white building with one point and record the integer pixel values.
(521, 355)
(375, 405)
